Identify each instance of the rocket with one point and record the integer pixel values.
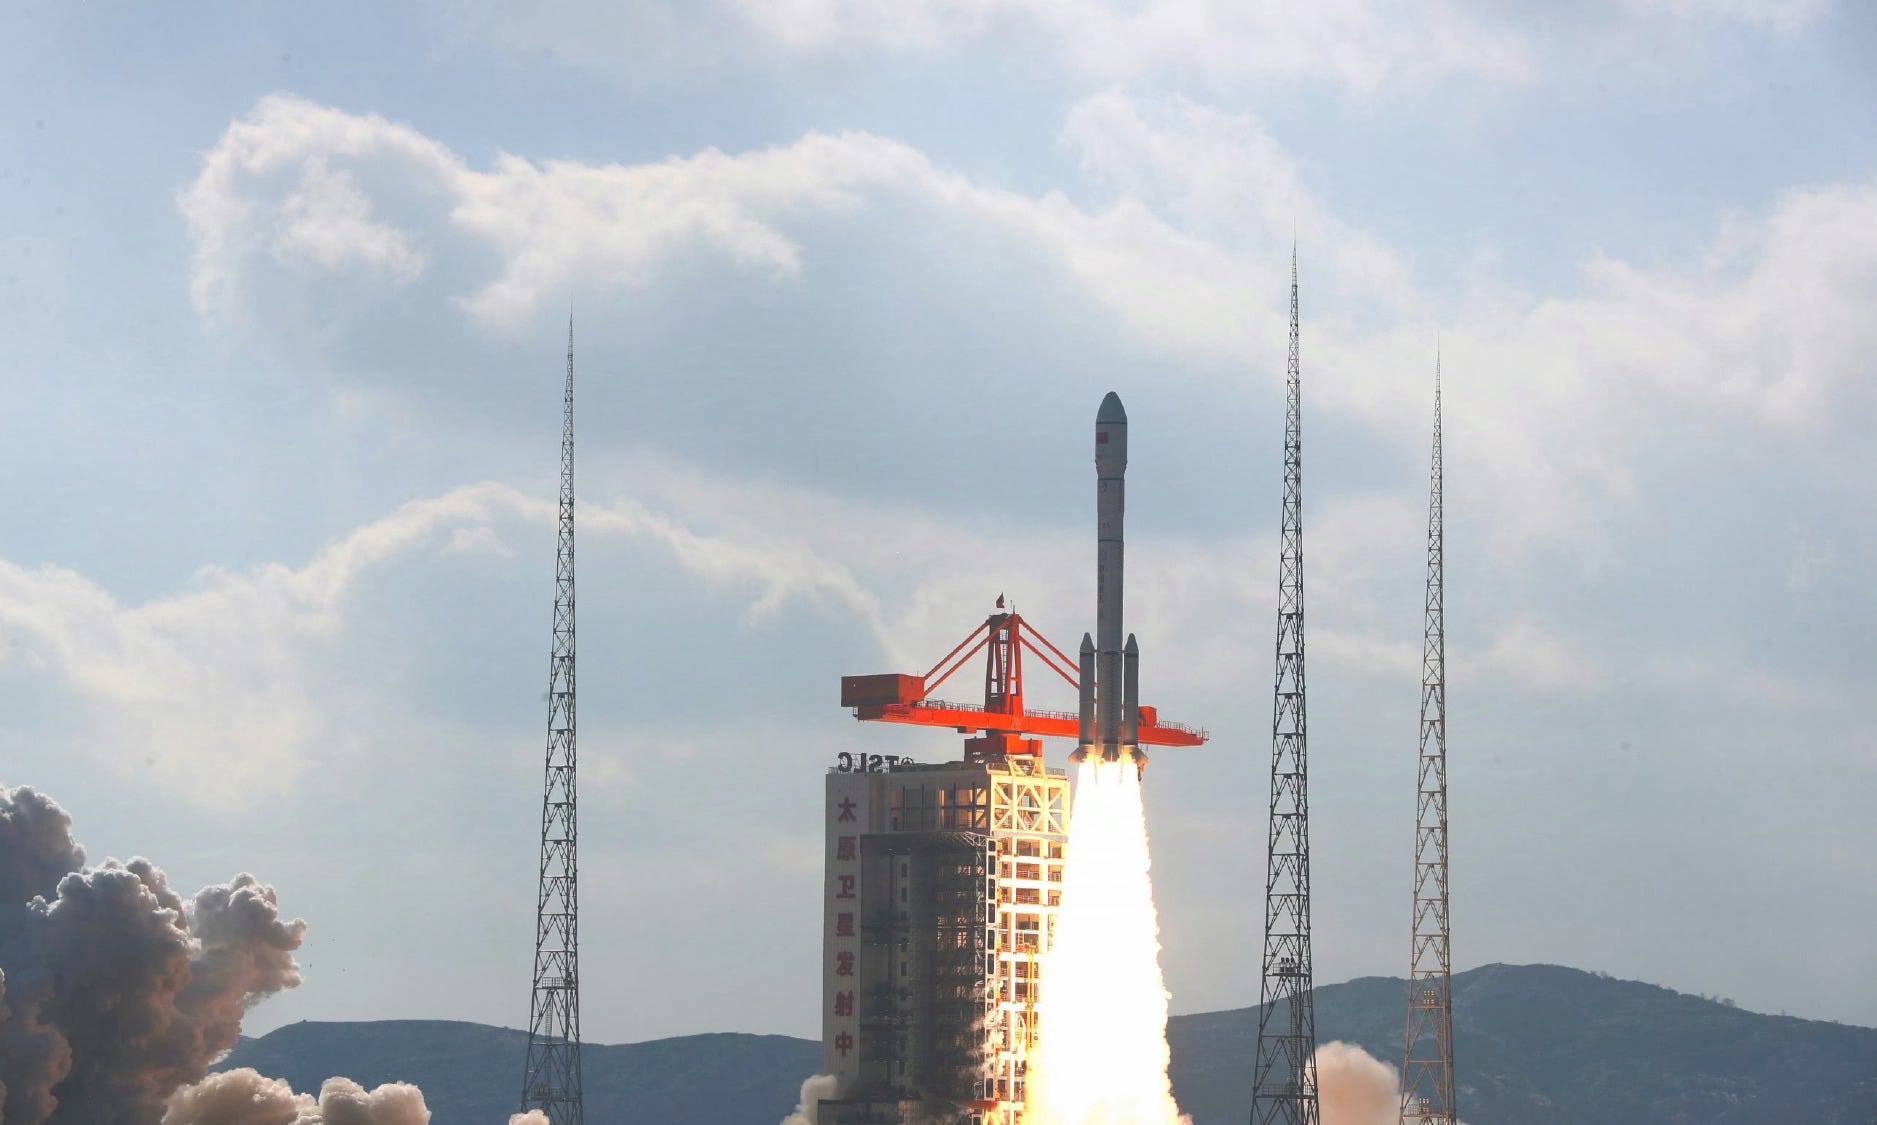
(1110, 672)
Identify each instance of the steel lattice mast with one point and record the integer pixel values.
(1284, 1085)
(551, 1082)
(1427, 1093)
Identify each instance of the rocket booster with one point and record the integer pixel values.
(1109, 672)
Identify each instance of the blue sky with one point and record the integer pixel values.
(283, 295)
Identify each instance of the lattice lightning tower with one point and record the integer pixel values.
(551, 1082)
(1427, 1093)
(1284, 1085)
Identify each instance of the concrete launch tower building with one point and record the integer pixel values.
(944, 881)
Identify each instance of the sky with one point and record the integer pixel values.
(284, 295)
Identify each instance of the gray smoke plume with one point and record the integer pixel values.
(114, 992)
(243, 1097)
(116, 995)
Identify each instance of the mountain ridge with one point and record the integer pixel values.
(1535, 1045)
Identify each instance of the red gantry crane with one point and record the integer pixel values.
(1004, 728)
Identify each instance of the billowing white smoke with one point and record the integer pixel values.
(243, 1097)
(1102, 1047)
(813, 1090)
(1356, 1088)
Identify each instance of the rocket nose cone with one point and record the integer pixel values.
(1088, 643)
(1111, 411)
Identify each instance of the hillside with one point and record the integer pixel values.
(1546, 1045)
(471, 1074)
(1537, 1045)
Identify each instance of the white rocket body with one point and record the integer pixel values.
(1086, 736)
(1115, 709)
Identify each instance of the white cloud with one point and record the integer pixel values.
(327, 222)
(218, 693)
(818, 24)
(1362, 45)
(268, 190)
(269, 193)
(549, 226)
(1551, 401)
(1223, 177)
(1770, 322)
(1784, 16)
(1812, 563)
(1524, 651)
(213, 691)
(782, 568)
(1716, 673)
(478, 540)
(208, 689)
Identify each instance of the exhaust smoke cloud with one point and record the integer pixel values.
(1356, 1088)
(244, 1097)
(813, 1090)
(117, 994)
(114, 990)
(1102, 1052)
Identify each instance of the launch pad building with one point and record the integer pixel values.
(943, 883)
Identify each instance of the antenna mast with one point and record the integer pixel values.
(1427, 1093)
(551, 1082)
(1284, 1085)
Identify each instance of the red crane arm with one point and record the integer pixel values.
(1072, 678)
(982, 634)
(968, 718)
(907, 699)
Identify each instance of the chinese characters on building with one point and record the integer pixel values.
(841, 1017)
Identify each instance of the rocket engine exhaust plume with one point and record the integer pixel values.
(1102, 1046)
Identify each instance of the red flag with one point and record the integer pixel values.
(1000, 601)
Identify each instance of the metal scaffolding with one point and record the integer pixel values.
(1284, 1085)
(551, 1081)
(1427, 1093)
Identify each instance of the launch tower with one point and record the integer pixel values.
(1284, 1085)
(551, 1081)
(1427, 1093)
